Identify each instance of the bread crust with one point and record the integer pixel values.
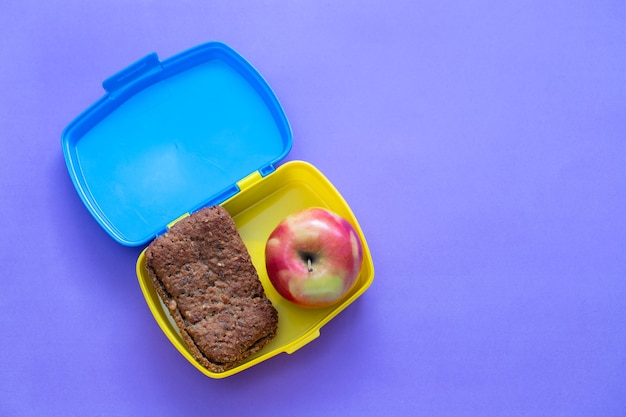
(203, 273)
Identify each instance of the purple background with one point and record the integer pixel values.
(482, 147)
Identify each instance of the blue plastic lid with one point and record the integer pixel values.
(172, 136)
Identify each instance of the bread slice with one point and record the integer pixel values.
(202, 271)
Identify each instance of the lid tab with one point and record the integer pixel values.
(132, 73)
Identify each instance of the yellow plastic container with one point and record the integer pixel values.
(257, 209)
(198, 129)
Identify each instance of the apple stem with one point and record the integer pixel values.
(309, 264)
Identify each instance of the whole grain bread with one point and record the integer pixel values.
(202, 271)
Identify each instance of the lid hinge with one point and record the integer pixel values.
(249, 180)
(170, 224)
(266, 170)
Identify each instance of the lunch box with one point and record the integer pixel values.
(200, 128)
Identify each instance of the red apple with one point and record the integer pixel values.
(313, 257)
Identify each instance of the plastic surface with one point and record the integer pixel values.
(170, 137)
(257, 209)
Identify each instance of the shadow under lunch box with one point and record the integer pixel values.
(201, 128)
